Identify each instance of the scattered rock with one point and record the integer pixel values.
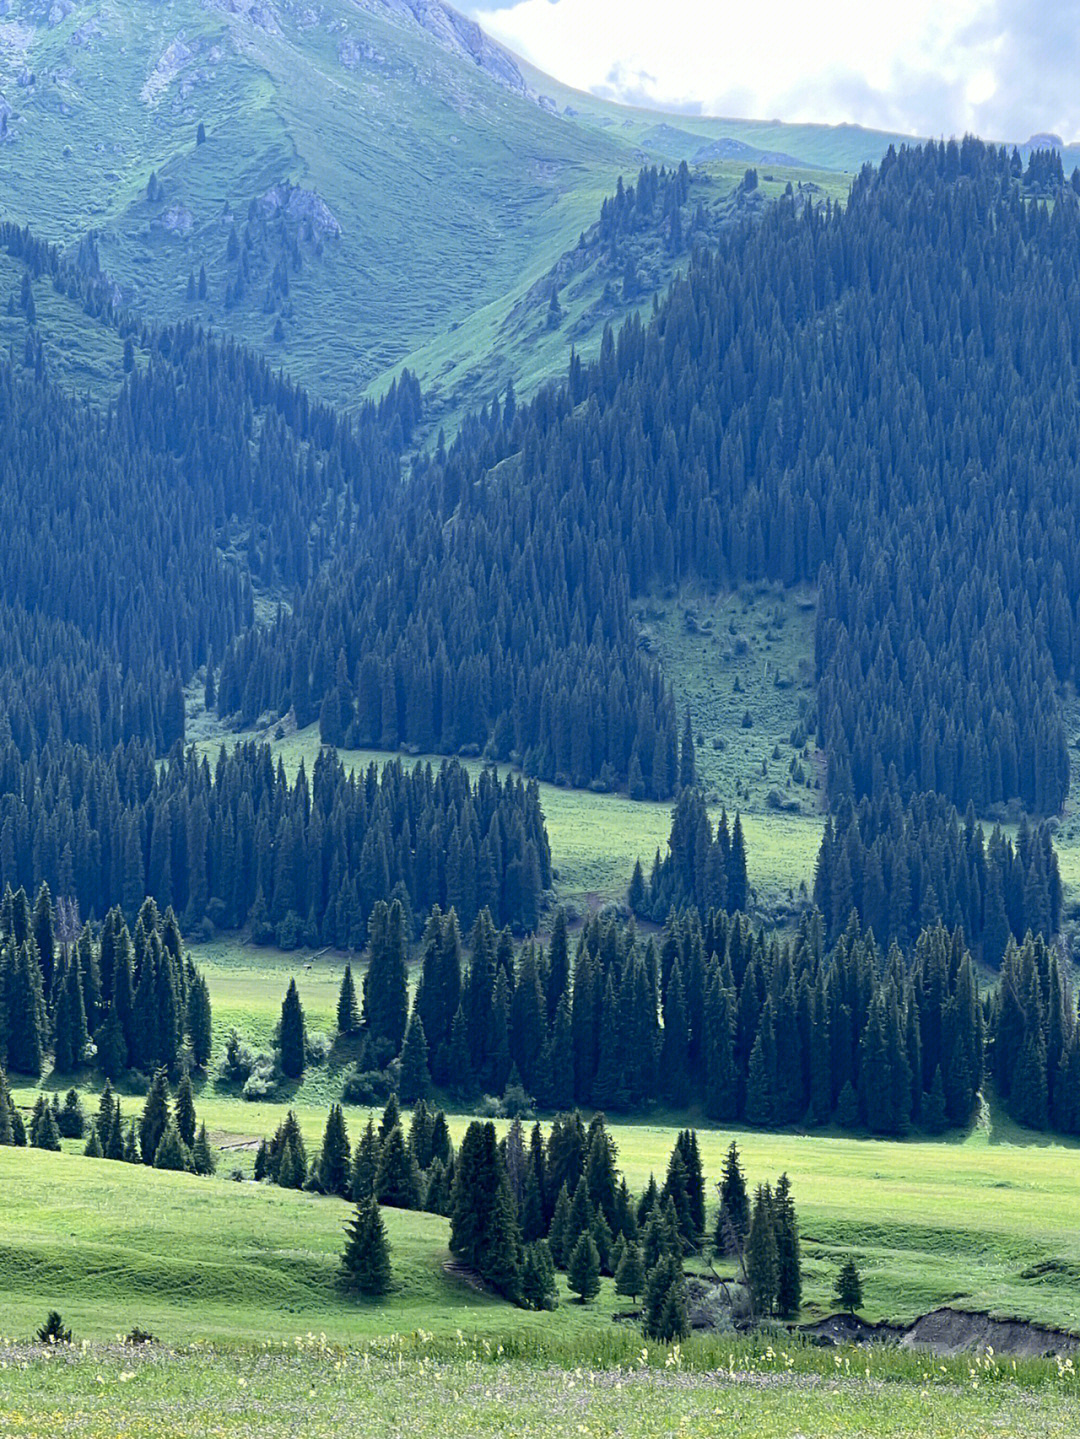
(352, 53)
(177, 220)
(301, 207)
(176, 56)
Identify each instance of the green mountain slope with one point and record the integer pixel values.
(374, 177)
(391, 183)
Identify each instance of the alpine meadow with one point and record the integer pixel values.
(539, 745)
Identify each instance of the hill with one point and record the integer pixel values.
(354, 180)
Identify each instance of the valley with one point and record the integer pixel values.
(539, 747)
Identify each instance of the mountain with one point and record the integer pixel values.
(356, 179)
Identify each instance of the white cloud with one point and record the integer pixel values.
(1002, 68)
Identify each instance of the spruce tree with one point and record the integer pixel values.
(290, 1171)
(630, 1272)
(131, 1145)
(397, 1183)
(93, 1148)
(391, 1118)
(184, 1109)
(199, 1022)
(386, 980)
(788, 1257)
(665, 1301)
(291, 1035)
(334, 1169)
(365, 1263)
(762, 1261)
(365, 1163)
(113, 1144)
(202, 1155)
(46, 1134)
(583, 1270)
(155, 1117)
(348, 1012)
(539, 1289)
(733, 1220)
(415, 1081)
(72, 1120)
(483, 1227)
(848, 1287)
(70, 1035)
(558, 1230)
(172, 1152)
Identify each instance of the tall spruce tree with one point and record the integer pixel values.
(291, 1034)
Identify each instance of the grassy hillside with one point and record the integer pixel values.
(986, 1224)
(392, 197)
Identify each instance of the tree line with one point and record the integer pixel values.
(236, 843)
(129, 1000)
(712, 1012)
(902, 865)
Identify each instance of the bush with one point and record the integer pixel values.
(318, 1047)
(367, 1087)
(260, 1083)
(53, 1331)
(515, 1104)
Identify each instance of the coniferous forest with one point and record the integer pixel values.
(871, 397)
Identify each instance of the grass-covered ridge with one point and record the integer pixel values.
(428, 197)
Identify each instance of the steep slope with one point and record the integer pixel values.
(362, 181)
(354, 178)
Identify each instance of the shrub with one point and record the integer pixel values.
(53, 1331)
(369, 1086)
(318, 1047)
(260, 1083)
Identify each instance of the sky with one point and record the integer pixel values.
(1002, 69)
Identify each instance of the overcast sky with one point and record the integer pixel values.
(1003, 69)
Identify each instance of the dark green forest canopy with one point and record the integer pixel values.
(238, 844)
(879, 397)
(133, 541)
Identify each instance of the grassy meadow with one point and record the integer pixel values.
(412, 1386)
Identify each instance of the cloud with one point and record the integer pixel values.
(1002, 68)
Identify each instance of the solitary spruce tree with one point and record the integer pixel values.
(291, 1034)
(365, 1264)
(848, 1287)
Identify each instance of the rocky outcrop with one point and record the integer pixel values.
(305, 208)
(462, 37)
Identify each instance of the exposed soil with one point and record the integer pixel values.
(949, 1331)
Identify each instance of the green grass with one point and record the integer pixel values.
(454, 195)
(424, 1390)
(987, 1221)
